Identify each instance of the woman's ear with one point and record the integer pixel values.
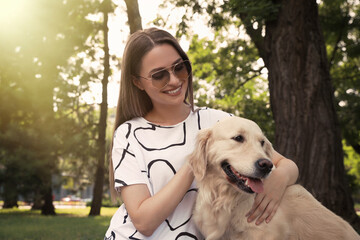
(136, 81)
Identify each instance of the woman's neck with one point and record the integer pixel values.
(168, 116)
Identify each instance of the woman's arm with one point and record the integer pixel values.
(267, 202)
(148, 212)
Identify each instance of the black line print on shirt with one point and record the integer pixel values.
(134, 238)
(158, 132)
(185, 235)
(187, 201)
(126, 216)
(120, 182)
(160, 160)
(167, 168)
(199, 116)
(129, 130)
(125, 151)
(199, 119)
(174, 228)
(112, 236)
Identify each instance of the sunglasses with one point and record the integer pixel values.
(180, 70)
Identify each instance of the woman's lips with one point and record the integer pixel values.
(175, 91)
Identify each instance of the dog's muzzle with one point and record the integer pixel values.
(246, 183)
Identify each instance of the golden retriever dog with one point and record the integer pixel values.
(229, 162)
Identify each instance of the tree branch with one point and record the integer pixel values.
(255, 35)
(342, 31)
(134, 18)
(331, 61)
(257, 73)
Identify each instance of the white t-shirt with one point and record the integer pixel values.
(146, 153)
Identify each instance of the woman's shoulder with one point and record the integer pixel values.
(128, 126)
(209, 116)
(211, 112)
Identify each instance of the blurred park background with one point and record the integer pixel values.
(292, 66)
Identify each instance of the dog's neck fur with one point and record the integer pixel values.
(223, 200)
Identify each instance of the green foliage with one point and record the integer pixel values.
(341, 23)
(106, 202)
(233, 83)
(352, 167)
(36, 123)
(251, 11)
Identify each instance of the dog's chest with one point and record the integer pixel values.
(240, 208)
(224, 212)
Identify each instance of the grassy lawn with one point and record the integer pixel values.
(68, 224)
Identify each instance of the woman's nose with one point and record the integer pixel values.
(173, 78)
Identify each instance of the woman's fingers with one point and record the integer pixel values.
(262, 210)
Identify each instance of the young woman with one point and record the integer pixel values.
(155, 130)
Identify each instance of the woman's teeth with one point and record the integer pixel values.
(174, 91)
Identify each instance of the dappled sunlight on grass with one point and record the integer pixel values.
(70, 223)
(83, 212)
(76, 212)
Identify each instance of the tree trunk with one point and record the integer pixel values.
(37, 201)
(302, 102)
(101, 142)
(48, 207)
(134, 18)
(10, 194)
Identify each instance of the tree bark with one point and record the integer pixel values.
(134, 18)
(101, 141)
(48, 207)
(302, 101)
(10, 194)
(37, 201)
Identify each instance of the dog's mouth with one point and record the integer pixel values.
(244, 183)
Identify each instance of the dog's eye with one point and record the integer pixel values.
(239, 138)
(262, 142)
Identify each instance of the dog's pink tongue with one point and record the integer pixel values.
(256, 185)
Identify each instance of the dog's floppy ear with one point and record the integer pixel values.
(268, 148)
(198, 158)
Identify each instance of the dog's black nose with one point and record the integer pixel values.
(264, 165)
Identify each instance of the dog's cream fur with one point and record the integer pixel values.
(220, 207)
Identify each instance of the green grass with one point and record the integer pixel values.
(67, 224)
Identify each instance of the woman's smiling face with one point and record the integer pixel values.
(162, 57)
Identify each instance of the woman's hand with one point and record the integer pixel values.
(267, 202)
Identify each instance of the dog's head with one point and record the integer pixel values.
(235, 149)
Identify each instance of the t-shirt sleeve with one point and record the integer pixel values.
(126, 167)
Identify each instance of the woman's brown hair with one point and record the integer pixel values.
(134, 102)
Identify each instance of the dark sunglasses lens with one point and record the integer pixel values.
(160, 78)
(160, 75)
(181, 70)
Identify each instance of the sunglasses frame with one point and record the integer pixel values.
(170, 70)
